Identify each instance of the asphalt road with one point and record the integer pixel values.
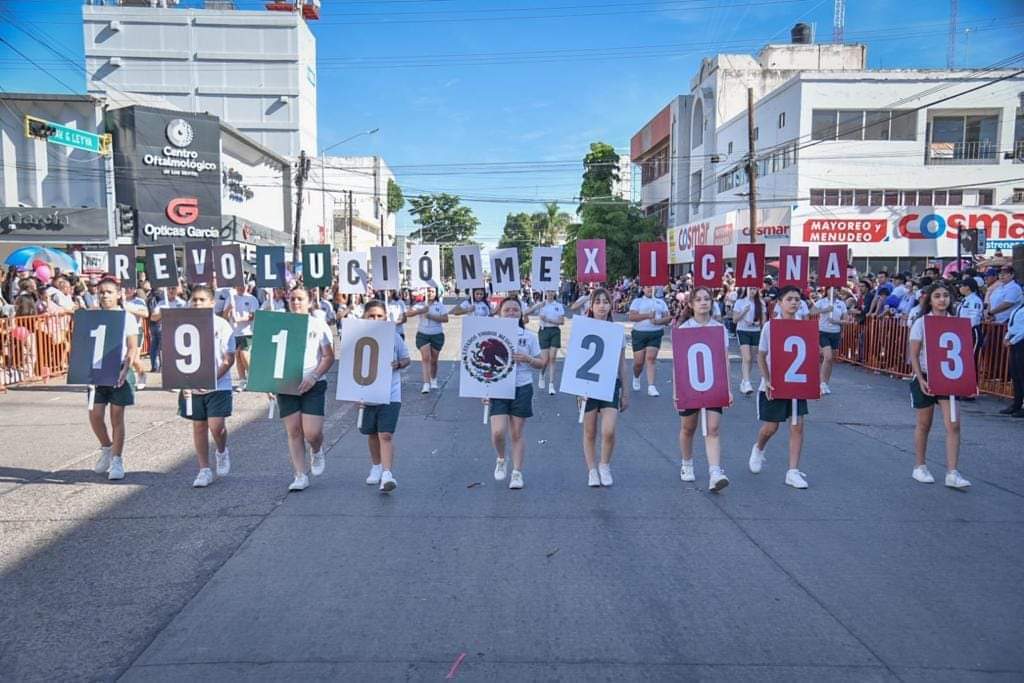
(866, 575)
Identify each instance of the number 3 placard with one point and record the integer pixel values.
(278, 350)
(96, 348)
(364, 366)
(794, 359)
(701, 367)
(950, 351)
(187, 353)
(592, 358)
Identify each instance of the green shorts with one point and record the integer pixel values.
(919, 399)
(205, 406)
(380, 418)
(436, 341)
(778, 409)
(309, 403)
(749, 337)
(520, 406)
(693, 411)
(243, 342)
(829, 339)
(123, 395)
(550, 337)
(597, 404)
(642, 340)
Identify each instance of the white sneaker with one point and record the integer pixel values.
(824, 389)
(103, 464)
(516, 482)
(686, 471)
(718, 480)
(140, 382)
(433, 383)
(374, 477)
(203, 479)
(387, 482)
(593, 479)
(922, 475)
(116, 471)
(300, 483)
(426, 388)
(636, 384)
(954, 480)
(317, 463)
(499, 470)
(795, 478)
(652, 391)
(551, 389)
(540, 382)
(605, 472)
(223, 463)
(746, 387)
(756, 459)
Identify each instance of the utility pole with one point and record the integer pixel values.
(301, 173)
(350, 220)
(382, 228)
(751, 167)
(951, 38)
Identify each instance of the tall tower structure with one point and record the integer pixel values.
(951, 40)
(256, 70)
(838, 21)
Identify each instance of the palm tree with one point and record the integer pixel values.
(553, 227)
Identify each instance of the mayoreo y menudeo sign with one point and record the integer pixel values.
(845, 230)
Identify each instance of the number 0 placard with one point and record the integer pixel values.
(592, 358)
(701, 367)
(794, 359)
(278, 350)
(950, 351)
(96, 348)
(364, 364)
(188, 354)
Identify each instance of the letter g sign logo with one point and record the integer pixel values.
(183, 210)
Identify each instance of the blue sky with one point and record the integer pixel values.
(453, 82)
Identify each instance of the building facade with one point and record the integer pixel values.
(349, 196)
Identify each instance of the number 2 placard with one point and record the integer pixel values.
(278, 350)
(950, 351)
(701, 367)
(364, 363)
(794, 368)
(592, 358)
(188, 354)
(96, 348)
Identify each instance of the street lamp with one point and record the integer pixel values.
(323, 183)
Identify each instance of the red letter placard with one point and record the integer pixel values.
(590, 261)
(701, 370)
(832, 265)
(708, 265)
(653, 263)
(793, 351)
(749, 265)
(793, 266)
(949, 347)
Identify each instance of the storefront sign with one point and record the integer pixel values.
(53, 226)
(845, 230)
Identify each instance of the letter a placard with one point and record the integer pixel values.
(793, 267)
(749, 265)
(364, 363)
(832, 265)
(653, 264)
(708, 265)
(590, 261)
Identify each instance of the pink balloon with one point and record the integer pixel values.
(44, 273)
(20, 333)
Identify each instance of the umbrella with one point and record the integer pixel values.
(956, 267)
(28, 258)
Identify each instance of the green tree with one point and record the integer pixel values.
(600, 171)
(396, 200)
(443, 220)
(521, 232)
(551, 225)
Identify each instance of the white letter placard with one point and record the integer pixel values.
(592, 358)
(364, 365)
(469, 267)
(425, 266)
(546, 266)
(352, 275)
(387, 269)
(486, 369)
(505, 270)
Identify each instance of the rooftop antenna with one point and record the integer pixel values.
(951, 41)
(838, 21)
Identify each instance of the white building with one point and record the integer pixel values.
(844, 155)
(255, 70)
(342, 187)
(623, 188)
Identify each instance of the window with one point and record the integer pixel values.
(969, 138)
(986, 197)
(782, 120)
(860, 198)
(876, 198)
(876, 125)
(846, 198)
(904, 125)
(924, 198)
(909, 198)
(755, 132)
(697, 129)
(883, 124)
(823, 124)
(956, 197)
(831, 197)
(730, 148)
(1018, 195)
(817, 197)
(851, 125)
(695, 189)
(892, 197)
(939, 198)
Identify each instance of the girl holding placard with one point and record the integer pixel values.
(303, 415)
(429, 336)
(210, 409)
(509, 415)
(552, 315)
(601, 474)
(478, 306)
(701, 303)
(380, 421)
(749, 314)
(119, 396)
(937, 300)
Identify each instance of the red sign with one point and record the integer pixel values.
(845, 230)
(949, 346)
(794, 263)
(998, 225)
(708, 265)
(793, 352)
(183, 210)
(749, 265)
(653, 263)
(832, 265)
(701, 367)
(590, 266)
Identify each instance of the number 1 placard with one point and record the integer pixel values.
(96, 348)
(364, 364)
(188, 354)
(793, 346)
(701, 367)
(592, 358)
(278, 350)
(949, 347)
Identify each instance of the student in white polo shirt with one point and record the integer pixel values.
(831, 313)
(552, 315)
(240, 310)
(649, 317)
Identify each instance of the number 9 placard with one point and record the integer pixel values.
(701, 367)
(364, 365)
(592, 358)
(97, 348)
(188, 353)
(950, 351)
(794, 359)
(278, 352)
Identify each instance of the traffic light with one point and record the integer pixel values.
(37, 128)
(125, 220)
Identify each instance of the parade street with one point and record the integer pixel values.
(866, 575)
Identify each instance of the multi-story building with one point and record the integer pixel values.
(844, 154)
(255, 70)
(349, 195)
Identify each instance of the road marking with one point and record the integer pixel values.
(455, 666)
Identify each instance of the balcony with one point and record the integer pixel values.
(961, 153)
(1018, 152)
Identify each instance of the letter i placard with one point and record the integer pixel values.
(278, 352)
